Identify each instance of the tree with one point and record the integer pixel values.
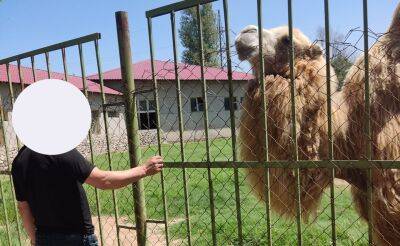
(341, 64)
(189, 36)
(341, 60)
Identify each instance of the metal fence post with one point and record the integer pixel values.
(131, 120)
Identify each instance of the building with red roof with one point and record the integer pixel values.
(28, 76)
(193, 102)
(165, 71)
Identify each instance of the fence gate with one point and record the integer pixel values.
(106, 145)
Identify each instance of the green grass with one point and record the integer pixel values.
(350, 229)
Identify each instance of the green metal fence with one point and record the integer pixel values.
(202, 197)
(233, 162)
(97, 147)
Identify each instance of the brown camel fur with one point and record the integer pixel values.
(384, 71)
(311, 121)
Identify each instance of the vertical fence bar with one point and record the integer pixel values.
(125, 56)
(5, 213)
(11, 183)
(367, 122)
(105, 117)
(205, 116)
(329, 112)
(10, 86)
(83, 73)
(46, 55)
(182, 149)
(264, 120)
(33, 68)
(156, 98)
(12, 98)
(64, 61)
(18, 146)
(293, 119)
(5, 210)
(8, 164)
(233, 125)
(21, 78)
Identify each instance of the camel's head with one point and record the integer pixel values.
(275, 48)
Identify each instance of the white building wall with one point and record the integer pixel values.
(216, 93)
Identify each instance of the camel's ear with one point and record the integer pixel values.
(395, 25)
(314, 51)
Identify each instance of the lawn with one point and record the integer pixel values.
(350, 229)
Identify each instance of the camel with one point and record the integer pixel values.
(348, 124)
(384, 72)
(311, 117)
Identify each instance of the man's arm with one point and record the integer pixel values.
(117, 179)
(27, 220)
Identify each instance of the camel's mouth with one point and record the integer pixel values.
(245, 52)
(247, 43)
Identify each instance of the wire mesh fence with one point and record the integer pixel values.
(278, 153)
(313, 200)
(105, 146)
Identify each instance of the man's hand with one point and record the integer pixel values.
(153, 165)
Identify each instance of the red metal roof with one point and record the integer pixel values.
(27, 78)
(165, 71)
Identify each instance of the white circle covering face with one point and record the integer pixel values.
(51, 116)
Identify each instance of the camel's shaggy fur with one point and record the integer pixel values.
(311, 113)
(384, 72)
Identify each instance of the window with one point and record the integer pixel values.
(152, 105)
(113, 114)
(147, 114)
(147, 105)
(95, 127)
(197, 104)
(227, 103)
(143, 105)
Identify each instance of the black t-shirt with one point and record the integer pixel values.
(52, 186)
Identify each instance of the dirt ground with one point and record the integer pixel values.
(155, 232)
(127, 236)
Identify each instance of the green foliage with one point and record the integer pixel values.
(341, 58)
(189, 36)
(341, 64)
(351, 230)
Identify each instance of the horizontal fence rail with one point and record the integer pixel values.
(348, 164)
(175, 7)
(59, 46)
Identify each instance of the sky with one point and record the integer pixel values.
(30, 24)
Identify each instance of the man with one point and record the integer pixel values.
(52, 201)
